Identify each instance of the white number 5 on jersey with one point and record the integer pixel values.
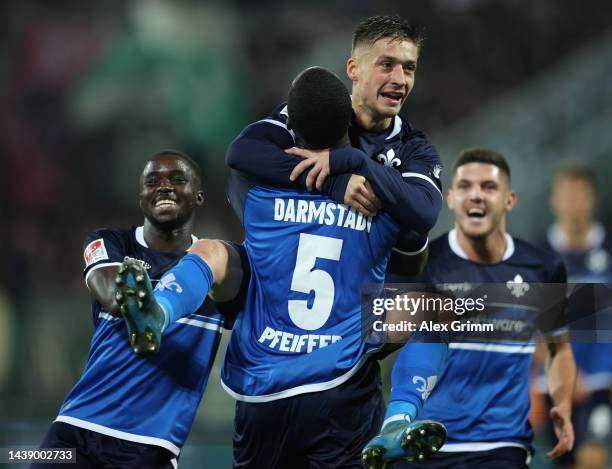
(306, 279)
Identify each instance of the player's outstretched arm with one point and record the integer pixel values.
(561, 379)
(101, 284)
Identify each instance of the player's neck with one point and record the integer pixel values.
(576, 234)
(368, 121)
(488, 249)
(178, 239)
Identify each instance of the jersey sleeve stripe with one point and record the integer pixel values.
(202, 324)
(280, 124)
(412, 253)
(206, 318)
(422, 176)
(96, 267)
(493, 347)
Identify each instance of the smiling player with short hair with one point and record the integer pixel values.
(482, 394)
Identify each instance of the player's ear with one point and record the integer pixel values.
(449, 199)
(510, 201)
(200, 198)
(351, 69)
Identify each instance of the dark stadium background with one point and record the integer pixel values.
(90, 89)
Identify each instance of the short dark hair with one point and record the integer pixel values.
(319, 108)
(482, 155)
(378, 27)
(577, 171)
(188, 160)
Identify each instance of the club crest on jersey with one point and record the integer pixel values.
(389, 159)
(437, 170)
(517, 286)
(427, 385)
(94, 252)
(168, 282)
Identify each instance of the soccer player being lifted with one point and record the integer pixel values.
(307, 385)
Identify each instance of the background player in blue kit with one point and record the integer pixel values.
(586, 249)
(93, 417)
(296, 361)
(482, 395)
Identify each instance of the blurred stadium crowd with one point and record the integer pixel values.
(90, 89)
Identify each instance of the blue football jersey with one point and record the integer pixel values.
(145, 400)
(300, 329)
(482, 395)
(593, 265)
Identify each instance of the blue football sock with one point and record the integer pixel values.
(183, 289)
(415, 372)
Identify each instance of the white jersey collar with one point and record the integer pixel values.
(397, 128)
(397, 124)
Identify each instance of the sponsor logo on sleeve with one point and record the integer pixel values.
(94, 252)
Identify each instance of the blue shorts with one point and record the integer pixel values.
(508, 457)
(95, 450)
(325, 429)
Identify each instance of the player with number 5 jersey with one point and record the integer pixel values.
(300, 331)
